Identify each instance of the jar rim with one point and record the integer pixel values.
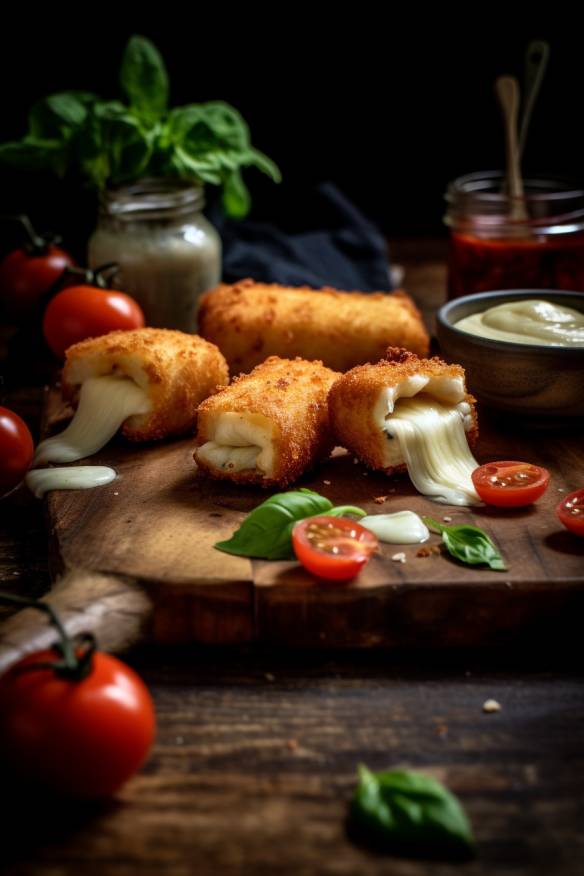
(152, 197)
(486, 186)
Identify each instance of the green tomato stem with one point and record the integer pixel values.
(37, 244)
(76, 663)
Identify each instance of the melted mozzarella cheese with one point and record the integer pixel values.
(240, 442)
(74, 477)
(402, 527)
(104, 404)
(431, 439)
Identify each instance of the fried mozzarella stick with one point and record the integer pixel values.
(250, 321)
(269, 426)
(149, 382)
(406, 412)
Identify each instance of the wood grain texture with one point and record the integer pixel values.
(255, 763)
(157, 523)
(256, 752)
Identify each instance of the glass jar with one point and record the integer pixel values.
(167, 251)
(495, 243)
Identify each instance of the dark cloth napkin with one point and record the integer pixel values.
(343, 248)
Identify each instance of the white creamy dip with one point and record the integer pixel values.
(74, 477)
(402, 527)
(528, 321)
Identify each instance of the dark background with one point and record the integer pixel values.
(389, 109)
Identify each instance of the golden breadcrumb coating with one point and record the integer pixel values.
(353, 399)
(292, 395)
(176, 370)
(250, 321)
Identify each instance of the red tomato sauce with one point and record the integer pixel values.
(481, 265)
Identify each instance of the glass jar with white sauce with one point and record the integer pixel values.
(168, 252)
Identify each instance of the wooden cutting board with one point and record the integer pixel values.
(136, 558)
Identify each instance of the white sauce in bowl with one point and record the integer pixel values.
(528, 321)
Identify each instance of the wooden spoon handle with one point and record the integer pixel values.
(114, 609)
(507, 90)
(536, 60)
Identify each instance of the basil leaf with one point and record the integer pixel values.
(57, 116)
(32, 153)
(227, 124)
(411, 812)
(199, 169)
(469, 544)
(113, 142)
(143, 78)
(255, 158)
(236, 197)
(266, 533)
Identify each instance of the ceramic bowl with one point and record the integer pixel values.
(520, 378)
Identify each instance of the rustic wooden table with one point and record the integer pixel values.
(256, 752)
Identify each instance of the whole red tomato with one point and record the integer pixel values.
(26, 276)
(80, 737)
(80, 312)
(16, 450)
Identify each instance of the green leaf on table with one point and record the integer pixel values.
(266, 533)
(143, 78)
(469, 544)
(410, 812)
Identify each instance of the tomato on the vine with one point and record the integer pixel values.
(80, 736)
(571, 512)
(16, 450)
(80, 312)
(510, 484)
(27, 274)
(333, 547)
(25, 278)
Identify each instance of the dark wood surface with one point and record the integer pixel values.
(257, 749)
(154, 528)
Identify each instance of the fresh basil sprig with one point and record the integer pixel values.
(410, 812)
(110, 142)
(469, 544)
(266, 533)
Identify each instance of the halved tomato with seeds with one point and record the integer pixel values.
(335, 548)
(571, 512)
(510, 484)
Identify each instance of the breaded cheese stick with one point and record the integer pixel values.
(410, 413)
(267, 427)
(250, 321)
(148, 382)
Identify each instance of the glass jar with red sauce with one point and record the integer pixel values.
(496, 244)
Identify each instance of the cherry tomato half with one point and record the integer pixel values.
(84, 738)
(16, 450)
(510, 484)
(333, 547)
(26, 277)
(571, 512)
(80, 312)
